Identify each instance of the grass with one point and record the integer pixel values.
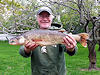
(81, 61)
(11, 63)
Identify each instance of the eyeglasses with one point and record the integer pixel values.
(42, 16)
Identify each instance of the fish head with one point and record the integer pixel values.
(19, 40)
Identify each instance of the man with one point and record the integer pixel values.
(48, 60)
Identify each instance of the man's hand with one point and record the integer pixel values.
(30, 46)
(69, 42)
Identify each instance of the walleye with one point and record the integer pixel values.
(46, 37)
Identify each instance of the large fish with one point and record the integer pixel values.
(46, 37)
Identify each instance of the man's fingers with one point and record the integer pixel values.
(66, 42)
(68, 39)
(29, 45)
(71, 40)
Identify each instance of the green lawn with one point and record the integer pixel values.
(11, 63)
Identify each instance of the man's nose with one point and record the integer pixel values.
(44, 18)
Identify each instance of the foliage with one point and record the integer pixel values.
(22, 16)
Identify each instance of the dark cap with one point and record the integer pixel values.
(44, 9)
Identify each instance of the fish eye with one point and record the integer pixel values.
(12, 41)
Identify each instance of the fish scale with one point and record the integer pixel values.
(45, 37)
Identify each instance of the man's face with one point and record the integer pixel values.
(44, 19)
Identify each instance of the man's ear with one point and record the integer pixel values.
(52, 16)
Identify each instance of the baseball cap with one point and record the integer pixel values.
(44, 9)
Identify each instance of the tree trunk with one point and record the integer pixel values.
(99, 40)
(99, 45)
(92, 54)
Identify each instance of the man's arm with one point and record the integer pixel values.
(70, 44)
(27, 49)
(71, 53)
(23, 53)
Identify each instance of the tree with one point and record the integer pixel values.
(88, 20)
(22, 16)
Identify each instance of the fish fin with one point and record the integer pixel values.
(83, 39)
(62, 30)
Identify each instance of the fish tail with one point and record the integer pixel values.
(83, 39)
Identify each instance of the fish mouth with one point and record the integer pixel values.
(12, 42)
